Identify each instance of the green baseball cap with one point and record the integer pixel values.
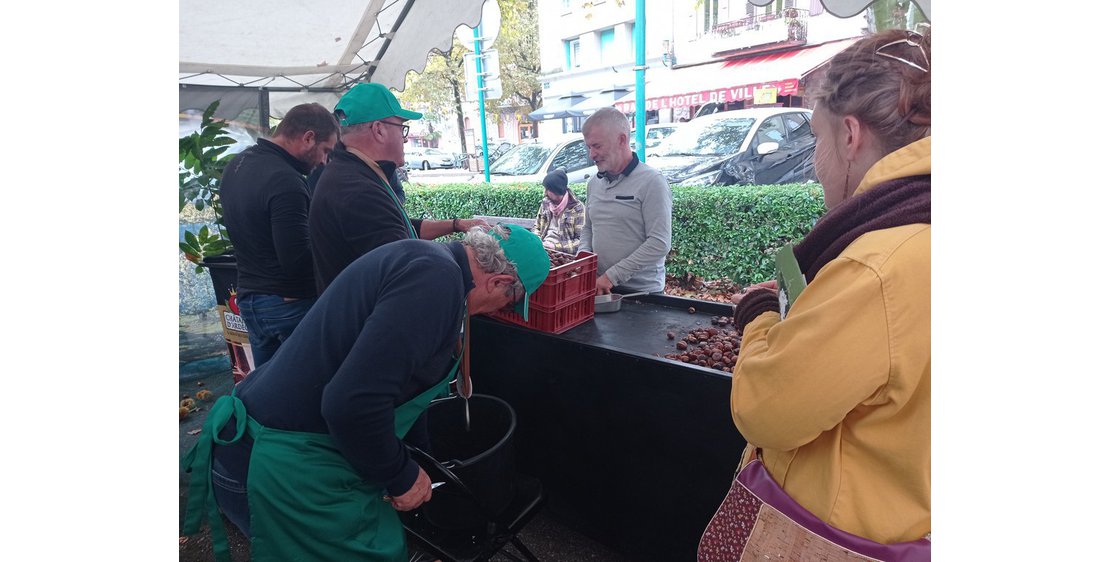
(526, 251)
(370, 102)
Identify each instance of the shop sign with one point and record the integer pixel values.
(722, 95)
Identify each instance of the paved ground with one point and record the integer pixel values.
(204, 366)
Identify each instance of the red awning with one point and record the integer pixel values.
(732, 80)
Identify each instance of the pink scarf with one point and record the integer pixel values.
(558, 209)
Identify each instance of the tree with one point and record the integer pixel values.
(519, 48)
(441, 87)
(893, 14)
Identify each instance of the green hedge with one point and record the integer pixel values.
(727, 232)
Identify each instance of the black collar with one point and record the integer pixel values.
(627, 170)
(459, 253)
(277, 149)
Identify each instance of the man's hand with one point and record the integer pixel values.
(420, 492)
(604, 285)
(772, 284)
(467, 224)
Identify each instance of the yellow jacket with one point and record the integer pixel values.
(837, 395)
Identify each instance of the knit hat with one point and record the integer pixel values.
(370, 101)
(525, 250)
(556, 181)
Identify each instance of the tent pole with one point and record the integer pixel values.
(264, 111)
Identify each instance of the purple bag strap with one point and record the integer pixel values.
(754, 477)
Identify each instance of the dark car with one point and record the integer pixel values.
(759, 146)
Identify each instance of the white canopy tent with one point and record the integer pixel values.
(274, 54)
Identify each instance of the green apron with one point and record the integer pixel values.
(306, 501)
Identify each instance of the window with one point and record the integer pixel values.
(796, 124)
(572, 157)
(771, 130)
(566, 6)
(573, 52)
(709, 14)
(608, 57)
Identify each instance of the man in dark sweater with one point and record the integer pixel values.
(354, 209)
(319, 428)
(265, 200)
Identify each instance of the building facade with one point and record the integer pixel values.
(701, 56)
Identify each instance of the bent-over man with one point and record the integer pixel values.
(304, 451)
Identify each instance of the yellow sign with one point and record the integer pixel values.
(766, 95)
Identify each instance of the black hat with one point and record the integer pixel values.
(556, 182)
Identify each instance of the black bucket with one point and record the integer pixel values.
(482, 458)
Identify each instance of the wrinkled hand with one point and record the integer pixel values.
(467, 224)
(420, 492)
(772, 284)
(604, 285)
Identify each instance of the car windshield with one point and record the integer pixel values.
(712, 137)
(521, 160)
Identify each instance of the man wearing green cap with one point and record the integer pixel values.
(319, 427)
(354, 209)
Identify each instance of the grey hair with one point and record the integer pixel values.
(609, 119)
(491, 257)
(348, 129)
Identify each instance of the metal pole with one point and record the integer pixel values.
(481, 97)
(264, 111)
(641, 58)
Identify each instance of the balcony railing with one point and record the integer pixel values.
(789, 24)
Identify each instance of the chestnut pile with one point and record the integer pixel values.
(559, 258)
(713, 347)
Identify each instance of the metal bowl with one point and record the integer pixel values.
(612, 301)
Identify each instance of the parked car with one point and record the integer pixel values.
(428, 158)
(496, 149)
(532, 161)
(758, 146)
(654, 135)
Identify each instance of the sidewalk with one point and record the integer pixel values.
(204, 365)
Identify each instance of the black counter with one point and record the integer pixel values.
(634, 450)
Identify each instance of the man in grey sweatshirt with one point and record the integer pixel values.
(628, 210)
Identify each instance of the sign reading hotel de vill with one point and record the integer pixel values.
(721, 95)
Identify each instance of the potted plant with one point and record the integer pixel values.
(203, 157)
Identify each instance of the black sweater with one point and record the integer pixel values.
(265, 200)
(352, 213)
(384, 331)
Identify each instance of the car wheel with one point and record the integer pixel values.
(425, 166)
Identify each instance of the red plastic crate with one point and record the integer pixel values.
(564, 300)
(555, 321)
(567, 283)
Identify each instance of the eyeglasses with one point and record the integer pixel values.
(911, 43)
(404, 128)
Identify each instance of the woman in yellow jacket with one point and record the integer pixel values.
(834, 390)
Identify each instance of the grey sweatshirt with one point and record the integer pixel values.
(628, 226)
